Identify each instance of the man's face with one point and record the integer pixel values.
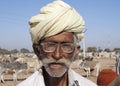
(57, 52)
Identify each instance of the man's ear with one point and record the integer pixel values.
(36, 49)
(77, 52)
(78, 49)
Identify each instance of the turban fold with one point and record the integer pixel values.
(54, 18)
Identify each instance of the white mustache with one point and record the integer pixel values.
(49, 60)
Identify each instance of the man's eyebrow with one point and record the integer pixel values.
(56, 42)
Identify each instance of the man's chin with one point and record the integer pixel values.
(56, 72)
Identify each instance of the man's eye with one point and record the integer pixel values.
(67, 45)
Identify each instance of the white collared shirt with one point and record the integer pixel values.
(75, 79)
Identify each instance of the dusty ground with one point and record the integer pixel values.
(105, 63)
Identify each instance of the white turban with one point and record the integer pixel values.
(54, 18)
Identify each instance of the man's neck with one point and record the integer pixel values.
(53, 81)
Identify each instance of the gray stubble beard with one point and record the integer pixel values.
(49, 60)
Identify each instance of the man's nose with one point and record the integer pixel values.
(58, 52)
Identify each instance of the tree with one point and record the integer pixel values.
(91, 49)
(4, 51)
(117, 50)
(107, 50)
(23, 50)
(14, 51)
(99, 49)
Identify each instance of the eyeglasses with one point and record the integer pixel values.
(51, 47)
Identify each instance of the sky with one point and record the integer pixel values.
(102, 22)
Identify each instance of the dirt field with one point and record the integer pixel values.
(105, 63)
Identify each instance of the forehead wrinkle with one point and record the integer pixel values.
(62, 37)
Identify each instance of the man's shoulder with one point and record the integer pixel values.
(30, 80)
(82, 81)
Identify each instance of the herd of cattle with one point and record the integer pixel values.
(16, 64)
(28, 63)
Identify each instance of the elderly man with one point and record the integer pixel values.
(55, 33)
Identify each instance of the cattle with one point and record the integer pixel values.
(89, 66)
(15, 67)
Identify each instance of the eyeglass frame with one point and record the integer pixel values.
(56, 45)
